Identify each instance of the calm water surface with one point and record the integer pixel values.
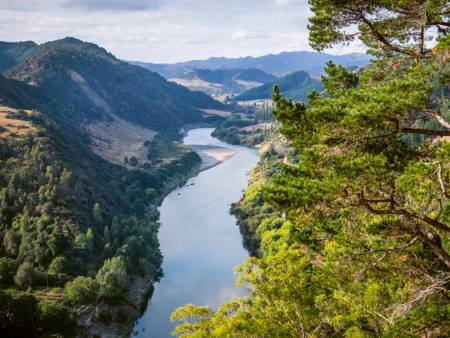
(199, 239)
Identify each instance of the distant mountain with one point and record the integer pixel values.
(223, 81)
(295, 86)
(85, 82)
(275, 64)
(223, 76)
(11, 53)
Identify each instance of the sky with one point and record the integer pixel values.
(165, 31)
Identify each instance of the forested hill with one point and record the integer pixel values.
(348, 212)
(11, 53)
(81, 173)
(295, 86)
(84, 82)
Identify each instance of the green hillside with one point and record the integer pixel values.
(348, 212)
(69, 218)
(295, 86)
(82, 81)
(12, 53)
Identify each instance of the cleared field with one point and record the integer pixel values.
(116, 139)
(13, 122)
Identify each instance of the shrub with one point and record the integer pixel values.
(103, 315)
(121, 317)
(81, 290)
(8, 268)
(25, 275)
(113, 278)
(21, 317)
(58, 265)
(56, 318)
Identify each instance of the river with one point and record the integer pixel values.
(199, 238)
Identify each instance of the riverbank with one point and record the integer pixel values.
(212, 155)
(198, 237)
(118, 320)
(116, 324)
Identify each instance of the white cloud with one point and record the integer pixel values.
(163, 31)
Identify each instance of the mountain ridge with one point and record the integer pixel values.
(220, 82)
(295, 86)
(70, 68)
(275, 64)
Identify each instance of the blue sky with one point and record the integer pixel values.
(165, 30)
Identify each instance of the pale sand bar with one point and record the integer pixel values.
(212, 155)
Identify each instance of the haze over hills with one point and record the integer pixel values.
(218, 82)
(275, 64)
(11, 53)
(295, 86)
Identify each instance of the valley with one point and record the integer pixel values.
(301, 191)
(199, 270)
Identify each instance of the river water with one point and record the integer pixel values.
(199, 238)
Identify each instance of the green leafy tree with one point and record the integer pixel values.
(21, 318)
(106, 234)
(113, 278)
(364, 208)
(97, 213)
(25, 275)
(85, 241)
(8, 269)
(386, 27)
(67, 177)
(81, 242)
(58, 265)
(90, 239)
(82, 290)
(11, 243)
(56, 318)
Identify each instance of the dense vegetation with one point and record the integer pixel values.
(250, 128)
(234, 135)
(76, 229)
(295, 86)
(361, 244)
(64, 211)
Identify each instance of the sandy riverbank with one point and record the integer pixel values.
(212, 155)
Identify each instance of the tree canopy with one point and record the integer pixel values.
(363, 250)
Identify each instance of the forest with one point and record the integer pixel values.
(75, 229)
(349, 226)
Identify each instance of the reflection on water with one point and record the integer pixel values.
(199, 239)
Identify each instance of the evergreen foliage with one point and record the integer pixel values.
(113, 278)
(82, 290)
(364, 248)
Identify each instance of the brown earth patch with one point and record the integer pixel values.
(14, 122)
